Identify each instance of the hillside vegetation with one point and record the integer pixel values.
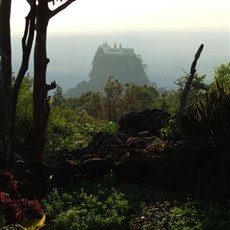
(104, 169)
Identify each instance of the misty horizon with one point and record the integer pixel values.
(168, 55)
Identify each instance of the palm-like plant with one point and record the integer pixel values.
(213, 110)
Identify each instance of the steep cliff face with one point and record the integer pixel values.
(121, 63)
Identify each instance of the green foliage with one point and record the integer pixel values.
(187, 215)
(58, 98)
(198, 87)
(111, 204)
(122, 98)
(116, 100)
(24, 108)
(71, 129)
(113, 93)
(104, 209)
(222, 74)
(199, 215)
(168, 101)
(2, 220)
(138, 97)
(213, 111)
(170, 131)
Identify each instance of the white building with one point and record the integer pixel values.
(117, 51)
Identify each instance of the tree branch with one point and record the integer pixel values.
(60, 8)
(51, 86)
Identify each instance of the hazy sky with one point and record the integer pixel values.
(88, 16)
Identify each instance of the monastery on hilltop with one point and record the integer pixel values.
(116, 50)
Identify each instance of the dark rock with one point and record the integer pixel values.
(63, 172)
(146, 120)
(128, 132)
(104, 139)
(155, 122)
(66, 156)
(139, 142)
(131, 120)
(127, 169)
(36, 167)
(153, 170)
(139, 169)
(93, 168)
(88, 157)
(145, 134)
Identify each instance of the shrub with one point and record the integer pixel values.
(19, 210)
(7, 181)
(14, 210)
(105, 209)
(71, 129)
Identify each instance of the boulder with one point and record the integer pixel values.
(36, 167)
(151, 120)
(139, 169)
(93, 168)
(63, 172)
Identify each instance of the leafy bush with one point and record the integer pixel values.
(72, 129)
(213, 111)
(106, 209)
(16, 210)
(7, 182)
(112, 204)
(19, 210)
(170, 131)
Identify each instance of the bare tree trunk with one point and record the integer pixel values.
(5, 79)
(185, 92)
(27, 42)
(35, 143)
(40, 108)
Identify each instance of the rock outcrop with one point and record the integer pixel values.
(121, 63)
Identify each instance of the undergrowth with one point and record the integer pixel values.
(111, 204)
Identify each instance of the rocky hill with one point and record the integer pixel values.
(121, 63)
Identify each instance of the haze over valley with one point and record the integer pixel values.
(168, 55)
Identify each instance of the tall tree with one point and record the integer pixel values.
(27, 43)
(5, 76)
(41, 107)
(36, 20)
